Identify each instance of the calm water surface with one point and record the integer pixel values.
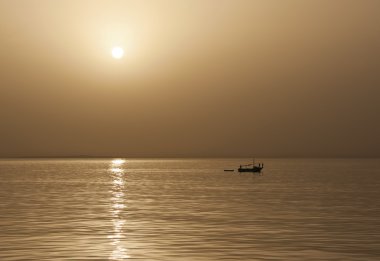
(189, 210)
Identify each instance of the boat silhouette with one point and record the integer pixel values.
(251, 167)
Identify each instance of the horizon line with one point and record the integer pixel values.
(190, 157)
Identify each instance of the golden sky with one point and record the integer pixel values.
(198, 78)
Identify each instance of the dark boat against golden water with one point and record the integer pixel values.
(251, 167)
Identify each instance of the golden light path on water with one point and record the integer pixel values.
(117, 207)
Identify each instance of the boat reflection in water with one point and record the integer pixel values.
(117, 207)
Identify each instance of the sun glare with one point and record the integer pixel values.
(117, 52)
(117, 162)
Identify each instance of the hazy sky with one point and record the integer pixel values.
(199, 78)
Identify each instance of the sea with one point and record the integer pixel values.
(189, 209)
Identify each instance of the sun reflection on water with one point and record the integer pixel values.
(117, 206)
(117, 170)
(117, 162)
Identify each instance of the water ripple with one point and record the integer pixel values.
(189, 210)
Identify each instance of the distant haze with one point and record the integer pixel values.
(199, 78)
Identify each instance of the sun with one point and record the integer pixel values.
(117, 52)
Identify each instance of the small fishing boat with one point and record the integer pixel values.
(251, 167)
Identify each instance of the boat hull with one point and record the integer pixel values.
(254, 169)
